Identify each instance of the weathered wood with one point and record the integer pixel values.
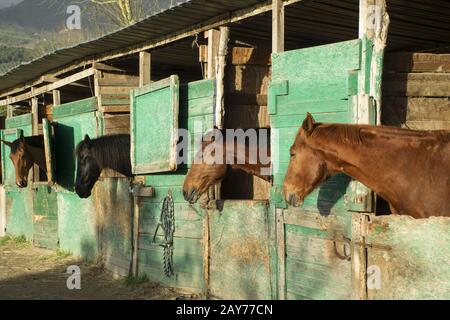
(417, 85)
(277, 26)
(250, 56)
(220, 76)
(132, 82)
(212, 53)
(35, 129)
(136, 220)
(115, 108)
(145, 62)
(358, 256)
(206, 253)
(281, 252)
(417, 62)
(49, 152)
(56, 97)
(50, 87)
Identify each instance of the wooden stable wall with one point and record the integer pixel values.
(416, 91)
(247, 78)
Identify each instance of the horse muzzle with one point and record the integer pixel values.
(191, 196)
(294, 200)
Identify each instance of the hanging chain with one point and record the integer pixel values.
(167, 224)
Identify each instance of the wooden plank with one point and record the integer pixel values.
(136, 220)
(56, 97)
(131, 82)
(49, 152)
(417, 85)
(77, 107)
(212, 53)
(250, 56)
(19, 121)
(115, 108)
(145, 63)
(277, 26)
(417, 62)
(358, 256)
(50, 87)
(220, 76)
(206, 254)
(281, 252)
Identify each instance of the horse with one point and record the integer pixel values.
(235, 155)
(410, 169)
(94, 155)
(24, 153)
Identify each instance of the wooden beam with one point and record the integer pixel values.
(359, 256)
(213, 50)
(277, 26)
(145, 66)
(49, 87)
(281, 254)
(9, 111)
(35, 131)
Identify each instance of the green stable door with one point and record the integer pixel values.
(313, 241)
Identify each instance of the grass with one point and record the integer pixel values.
(15, 240)
(135, 281)
(59, 254)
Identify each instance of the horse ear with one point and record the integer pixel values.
(87, 140)
(9, 144)
(21, 138)
(308, 124)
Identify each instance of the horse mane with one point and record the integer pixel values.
(349, 134)
(358, 134)
(111, 151)
(33, 141)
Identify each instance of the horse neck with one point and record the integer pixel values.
(38, 156)
(259, 169)
(369, 162)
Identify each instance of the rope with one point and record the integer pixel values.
(167, 224)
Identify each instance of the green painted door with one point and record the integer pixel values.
(408, 259)
(196, 113)
(45, 217)
(77, 220)
(19, 201)
(327, 82)
(154, 124)
(239, 251)
(72, 121)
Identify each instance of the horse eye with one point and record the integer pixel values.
(292, 153)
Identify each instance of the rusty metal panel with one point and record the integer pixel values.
(239, 251)
(409, 257)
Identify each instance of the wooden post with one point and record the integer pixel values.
(145, 62)
(206, 253)
(359, 256)
(281, 254)
(137, 201)
(220, 75)
(212, 54)
(35, 130)
(277, 26)
(9, 111)
(56, 98)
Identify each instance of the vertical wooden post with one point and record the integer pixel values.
(277, 26)
(212, 54)
(220, 76)
(9, 111)
(56, 97)
(137, 200)
(206, 253)
(145, 62)
(35, 130)
(281, 254)
(359, 256)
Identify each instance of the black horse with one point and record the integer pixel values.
(94, 155)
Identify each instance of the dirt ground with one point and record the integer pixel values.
(27, 272)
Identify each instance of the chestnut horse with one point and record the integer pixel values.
(408, 168)
(24, 153)
(206, 172)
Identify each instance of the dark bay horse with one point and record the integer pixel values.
(206, 173)
(94, 155)
(24, 153)
(408, 168)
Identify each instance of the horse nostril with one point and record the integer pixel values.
(191, 194)
(292, 199)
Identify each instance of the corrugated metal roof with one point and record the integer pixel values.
(165, 22)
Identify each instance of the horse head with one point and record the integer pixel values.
(21, 158)
(206, 170)
(307, 166)
(88, 169)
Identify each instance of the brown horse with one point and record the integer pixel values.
(410, 169)
(206, 172)
(24, 153)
